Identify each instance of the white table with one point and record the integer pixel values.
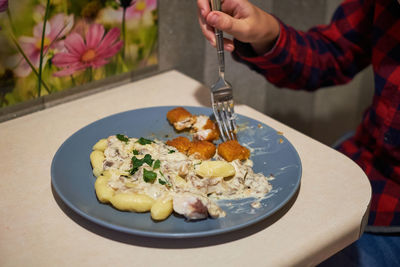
(37, 229)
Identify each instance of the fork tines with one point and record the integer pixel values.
(223, 108)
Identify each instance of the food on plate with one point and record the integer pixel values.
(205, 129)
(202, 149)
(198, 149)
(180, 118)
(181, 143)
(232, 150)
(201, 126)
(188, 178)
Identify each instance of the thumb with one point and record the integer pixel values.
(226, 23)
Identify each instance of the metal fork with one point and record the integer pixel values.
(221, 91)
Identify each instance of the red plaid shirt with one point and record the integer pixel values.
(362, 32)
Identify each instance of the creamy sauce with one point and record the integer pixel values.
(175, 176)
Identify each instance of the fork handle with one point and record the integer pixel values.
(219, 37)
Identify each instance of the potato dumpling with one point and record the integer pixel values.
(179, 181)
(132, 202)
(232, 150)
(161, 209)
(202, 149)
(96, 159)
(103, 191)
(213, 169)
(101, 145)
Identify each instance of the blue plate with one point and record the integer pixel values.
(73, 181)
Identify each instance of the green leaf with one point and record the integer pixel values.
(122, 138)
(157, 164)
(164, 181)
(148, 160)
(149, 176)
(135, 152)
(144, 141)
(171, 151)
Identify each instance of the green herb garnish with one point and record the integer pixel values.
(164, 181)
(144, 141)
(149, 176)
(122, 138)
(135, 152)
(148, 160)
(170, 151)
(136, 163)
(157, 164)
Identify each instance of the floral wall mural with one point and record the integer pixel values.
(52, 45)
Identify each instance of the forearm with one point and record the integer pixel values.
(323, 56)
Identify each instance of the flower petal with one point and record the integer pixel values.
(38, 29)
(99, 62)
(110, 51)
(75, 44)
(60, 25)
(65, 59)
(94, 35)
(110, 38)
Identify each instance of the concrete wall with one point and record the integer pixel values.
(324, 115)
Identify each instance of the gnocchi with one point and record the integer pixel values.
(217, 168)
(142, 175)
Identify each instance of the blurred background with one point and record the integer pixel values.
(324, 115)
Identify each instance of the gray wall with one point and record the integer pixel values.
(324, 115)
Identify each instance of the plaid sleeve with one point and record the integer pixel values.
(323, 56)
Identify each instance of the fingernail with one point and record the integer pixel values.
(203, 12)
(212, 19)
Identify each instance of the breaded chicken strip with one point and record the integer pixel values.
(181, 143)
(232, 150)
(205, 129)
(202, 149)
(180, 118)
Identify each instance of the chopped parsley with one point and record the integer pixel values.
(164, 181)
(149, 176)
(135, 152)
(144, 141)
(148, 160)
(170, 151)
(122, 138)
(137, 163)
(157, 164)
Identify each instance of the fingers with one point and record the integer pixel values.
(203, 7)
(207, 30)
(226, 23)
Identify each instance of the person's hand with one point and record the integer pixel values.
(241, 19)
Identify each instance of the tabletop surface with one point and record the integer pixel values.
(38, 229)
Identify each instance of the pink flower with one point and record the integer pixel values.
(94, 52)
(140, 7)
(3, 5)
(56, 28)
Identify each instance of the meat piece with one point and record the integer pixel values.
(180, 118)
(194, 206)
(181, 143)
(191, 206)
(202, 149)
(232, 150)
(205, 129)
